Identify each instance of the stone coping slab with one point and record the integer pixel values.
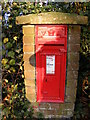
(52, 18)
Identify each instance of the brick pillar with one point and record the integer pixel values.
(29, 61)
(52, 110)
(72, 67)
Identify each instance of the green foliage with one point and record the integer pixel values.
(40, 116)
(11, 54)
(15, 105)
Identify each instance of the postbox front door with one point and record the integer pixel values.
(50, 70)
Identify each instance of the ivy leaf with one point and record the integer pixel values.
(8, 45)
(3, 52)
(12, 62)
(22, 76)
(7, 66)
(32, 6)
(18, 50)
(21, 68)
(25, 11)
(5, 40)
(33, 11)
(10, 26)
(15, 87)
(4, 61)
(6, 80)
(15, 38)
(12, 69)
(11, 54)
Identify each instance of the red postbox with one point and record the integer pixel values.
(51, 49)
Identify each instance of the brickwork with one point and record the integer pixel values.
(52, 110)
(72, 65)
(29, 69)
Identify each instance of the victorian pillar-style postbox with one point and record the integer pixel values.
(51, 48)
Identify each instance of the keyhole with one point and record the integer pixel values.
(46, 80)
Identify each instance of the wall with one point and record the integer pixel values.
(29, 70)
(52, 110)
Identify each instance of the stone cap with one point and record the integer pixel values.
(52, 18)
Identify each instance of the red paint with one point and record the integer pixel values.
(51, 44)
